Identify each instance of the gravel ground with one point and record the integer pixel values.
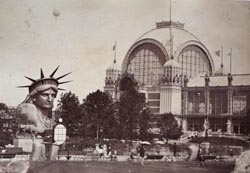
(128, 167)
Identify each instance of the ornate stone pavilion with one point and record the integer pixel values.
(175, 71)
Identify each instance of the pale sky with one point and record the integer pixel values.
(81, 38)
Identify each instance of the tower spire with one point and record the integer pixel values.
(230, 54)
(114, 49)
(170, 11)
(222, 57)
(170, 30)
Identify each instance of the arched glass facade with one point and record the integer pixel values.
(194, 61)
(146, 63)
(147, 60)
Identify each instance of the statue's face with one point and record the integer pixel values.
(45, 99)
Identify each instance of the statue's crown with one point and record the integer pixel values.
(51, 80)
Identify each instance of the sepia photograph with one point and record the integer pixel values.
(125, 86)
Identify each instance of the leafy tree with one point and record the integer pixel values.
(100, 115)
(7, 124)
(4, 107)
(168, 126)
(70, 111)
(144, 123)
(133, 115)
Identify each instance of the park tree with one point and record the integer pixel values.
(168, 126)
(144, 124)
(133, 115)
(4, 107)
(100, 115)
(8, 125)
(70, 111)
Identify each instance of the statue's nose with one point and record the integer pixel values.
(50, 98)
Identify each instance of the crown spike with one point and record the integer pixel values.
(42, 75)
(65, 82)
(26, 86)
(51, 81)
(63, 76)
(52, 74)
(32, 80)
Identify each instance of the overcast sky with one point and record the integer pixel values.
(81, 38)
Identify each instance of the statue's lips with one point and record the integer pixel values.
(48, 104)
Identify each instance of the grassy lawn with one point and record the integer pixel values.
(127, 167)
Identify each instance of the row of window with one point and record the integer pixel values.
(218, 103)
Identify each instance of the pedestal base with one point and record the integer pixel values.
(25, 143)
(51, 151)
(39, 150)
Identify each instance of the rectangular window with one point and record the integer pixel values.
(154, 110)
(154, 96)
(218, 102)
(154, 103)
(239, 105)
(196, 103)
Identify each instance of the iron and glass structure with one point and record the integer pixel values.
(175, 71)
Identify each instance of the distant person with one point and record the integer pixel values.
(141, 152)
(174, 149)
(202, 161)
(200, 157)
(109, 150)
(131, 156)
(206, 133)
(231, 152)
(99, 149)
(115, 154)
(105, 150)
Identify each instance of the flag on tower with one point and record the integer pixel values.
(217, 52)
(114, 47)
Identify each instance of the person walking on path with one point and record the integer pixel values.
(201, 158)
(141, 152)
(131, 156)
(174, 149)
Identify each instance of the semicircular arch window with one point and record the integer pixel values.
(146, 63)
(194, 61)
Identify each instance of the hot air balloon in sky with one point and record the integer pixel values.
(56, 13)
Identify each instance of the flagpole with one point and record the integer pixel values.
(222, 56)
(231, 61)
(114, 48)
(170, 30)
(170, 11)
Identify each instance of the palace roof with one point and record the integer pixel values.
(238, 80)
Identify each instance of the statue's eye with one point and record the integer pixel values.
(45, 95)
